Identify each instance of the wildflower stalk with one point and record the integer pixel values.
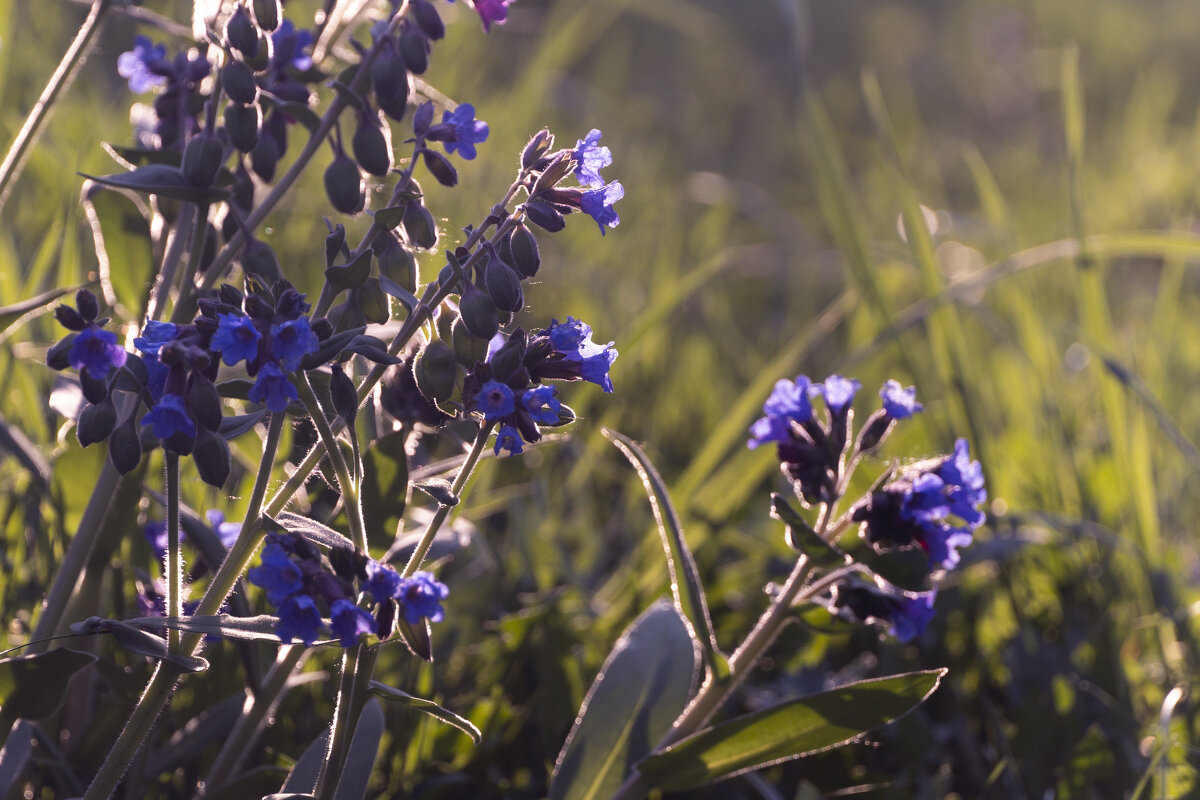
(341, 732)
(350, 496)
(175, 250)
(174, 555)
(14, 160)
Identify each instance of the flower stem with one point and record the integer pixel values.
(350, 496)
(174, 555)
(341, 732)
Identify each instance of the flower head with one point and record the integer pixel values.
(156, 537)
(495, 400)
(227, 532)
(291, 341)
(466, 130)
(273, 388)
(422, 596)
(382, 581)
(590, 158)
(135, 65)
(289, 45)
(169, 417)
(298, 619)
(573, 339)
(789, 401)
(598, 203)
(348, 622)
(542, 405)
(236, 338)
(508, 438)
(96, 350)
(898, 402)
(839, 392)
(276, 573)
(906, 614)
(491, 11)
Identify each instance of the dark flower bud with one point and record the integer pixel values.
(95, 390)
(343, 394)
(343, 185)
(322, 328)
(436, 371)
(266, 13)
(238, 82)
(204, 402)
(258, 308)
(85, 301)
(428, 19)
(349, 565)
(396, 262)
(478, 313)
(125, 446)
(544, 216)
(418, 224)
(202, 158)
(467, 349)
(241, 124)
(558, 169)
(335, 243)
(507, 359)
(390, 81)
(57, 355)
(423, 118)
(874, 431)
(371, 145)
(211, 454)
(385, 619)
(258, 258)
(373, 302)
(290, 303)
(503, 285)
(264, 158)
(242, 33)
(230, 295)
(69, 318)
(440, 167)
(261, 60)
(524, 249)
(96, 422)
(414, 49)
(537, 147)
(444, 323)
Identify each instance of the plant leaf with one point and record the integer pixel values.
(803, 539)
(788, 730)
(17, 750)
(312, 530)
(307, 769)
(641, 688)
(136, 640)
(162, 180)
(33, 686)
(360, 759)
(384, 488)
(259, 628)
(11, 313)
(428, 707)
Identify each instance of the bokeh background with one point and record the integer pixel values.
(1041, 296)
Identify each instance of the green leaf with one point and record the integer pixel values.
(406, 298)
(307, 769)
(260, 628)
(294, 109)
(428, 707)
(360, 759)
(788, 730)
(124, 250)
(685, 579)
(141, 642)
(161, 180)
(33, 686)
(312, 530)
(803, 539)
(384, 488)
(642, 687)
(234, 426)
(11, 313)
(352, 275)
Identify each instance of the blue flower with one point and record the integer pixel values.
(495, 400)
(169, 417)
(912, 615)
(156, 537)
(96, 350)
(298, 619)
(789, 401)
(941, 543)
(569, 336)
(598, 203)
(382, 581)
(839, 392)
(422, 596)
(289, 44)
(898, 402)
(273, 388)
(153, 337)
(236, 338)
(134, 65)
(508, 438)
(276, 573)
(348, 621)
(965, 479)
(573, 339)
(291, 341)
(491, 11)
(227, 532)
(542, 405)
(468, 131)
(590, 158)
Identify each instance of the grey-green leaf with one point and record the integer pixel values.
(33, 686)
(360, 759)
(803, 539)
(642, 687)
(14, 311)
(428, 707)
(259, 628)
(141, 642)
(307, 769)
(788, 730)
(162, 180)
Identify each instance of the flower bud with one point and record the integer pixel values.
(202, 158)
(96, 422)
(503, 285)
(414, 49)
(95, 390)
(524, 248)
(478, 313)
(125, 446)
(242, 33)
(423, 118)
(56, 356)
(507, 359)
(435, 371)
(440, 167)
(537, 147)
(874, 431)
(428, 19)
(390, 81)
(258, 258)
(343, 394)
(467, 349)
(371, 147)
(385, 619)
(418, 224)
(397, 263)
(373, 302)
(238, 82)
(204, 402)
(211, 454)
(69, 318)
(266, 13)
(343, 185)
(264, 158)
(242, 123)
(85, 301)
(545, 216)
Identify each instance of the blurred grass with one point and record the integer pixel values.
(771, 153)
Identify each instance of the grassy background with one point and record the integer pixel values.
(1044, 305)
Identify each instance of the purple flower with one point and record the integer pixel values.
(383, 582)
(492, 11)
(590, 158)
(291, 341)
(288, 46)
(156, 537)
(153, 337)
(134, 65)
(495, 400)
(236, 338)
(839, 392)
(348, 622)
(169, 417)
(298, 619)
(912, 616)
(273, 388)
(467, 131)
(96, 350)
(570, 336)
(598, 203)
(941, 543)
(227, 532)
(898, 402)
(542, 405)
(965, 479)
(789, 401)
(573, 339)
(422, 596)
(508, 438)
(276, 573)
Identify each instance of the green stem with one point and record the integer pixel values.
(175, 250)
(185, 307)
(14, 160)
(349, 489)
(174, 554)
(340, 738)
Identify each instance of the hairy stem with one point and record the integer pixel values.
(350, 496)
(174, 555)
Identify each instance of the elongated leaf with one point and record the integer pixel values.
(685, 579)
(643, 685)
(136, 640)
(33, 686)
(314, 531)
(162, 180)
(307, 769)
(428, 707)
(17, 443)
(803, 539)
(15, 311)
(234, 426)
(121, 238)
(259, 628)
(406, 298)
(789, 730)
(360, 759)
(384, 488)
(17, 750)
